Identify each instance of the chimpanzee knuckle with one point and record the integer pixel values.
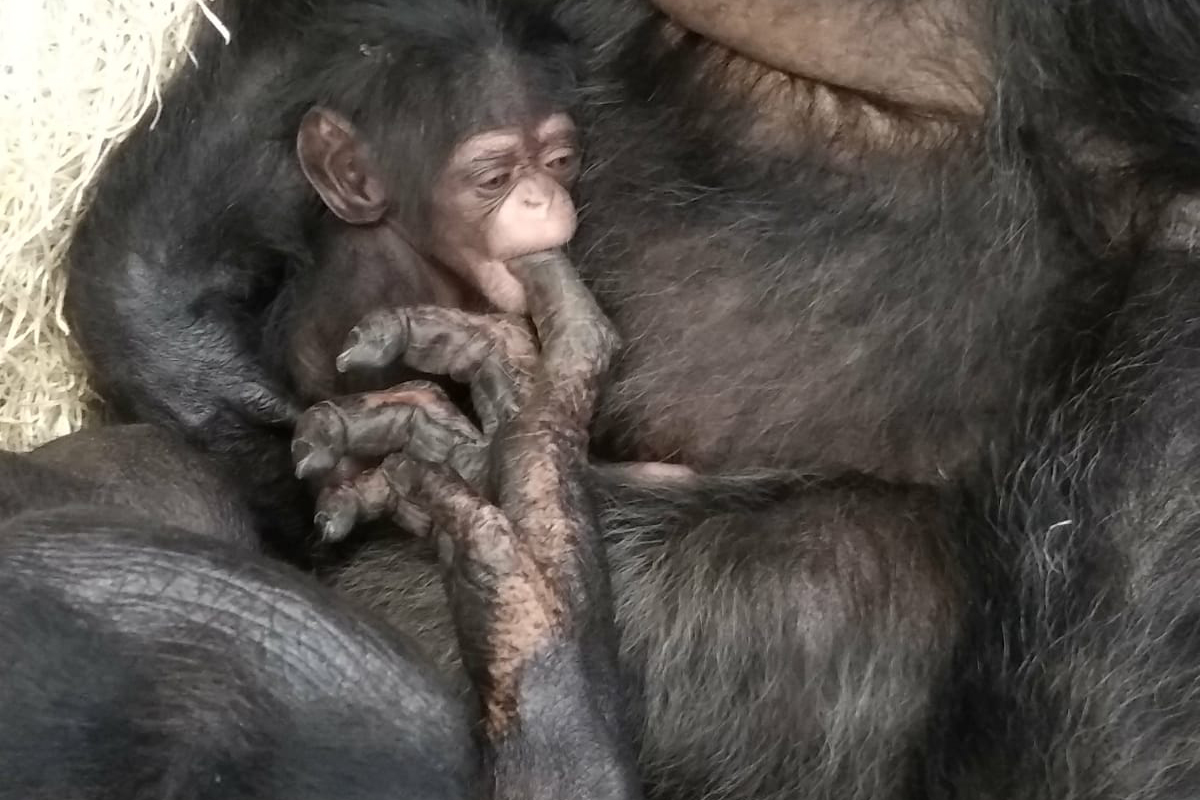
(445, 318)
(402, 474)
(418, 393)
(422, 315)
(488, 540)
(323, 421)
(411, 518)
(498, 377)
(489, 407)
(469, 460)
(430, 441)
(451, 333)
(586, 343)
(384, 321)
(448, 420)
(471, 354)
(431, 352)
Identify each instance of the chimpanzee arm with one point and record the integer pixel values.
(140, 661)
(177, 268)
(542, 458)
(527, 577)
(163, 360)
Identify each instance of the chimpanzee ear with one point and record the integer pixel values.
(340, 168)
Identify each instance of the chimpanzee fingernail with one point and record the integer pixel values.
(353, 340)
(309, 460)
(301, 450)
(348, 359)
(334, 526)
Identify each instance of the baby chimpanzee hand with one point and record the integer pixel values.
(494, 355)
(525, 569)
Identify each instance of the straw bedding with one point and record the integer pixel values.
(75, 76)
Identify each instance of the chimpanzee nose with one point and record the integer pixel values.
(538, 194)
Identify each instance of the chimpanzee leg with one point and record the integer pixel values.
(147, 468)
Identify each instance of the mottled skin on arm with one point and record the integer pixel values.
(524, 563)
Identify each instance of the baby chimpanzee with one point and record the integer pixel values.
(333, 159)
(420, 221)
(472, 169)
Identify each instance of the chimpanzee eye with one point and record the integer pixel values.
(495, 181)
(561, 161)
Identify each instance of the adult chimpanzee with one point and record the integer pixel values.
(146, 660)
(943, 245)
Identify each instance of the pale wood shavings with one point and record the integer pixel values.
(75, 76)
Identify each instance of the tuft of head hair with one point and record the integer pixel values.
(418, 77)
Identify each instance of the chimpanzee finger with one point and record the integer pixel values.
(416, 418)
(370, 495)
(494, 355)
(506, 607)
(573, 331)
(477, 540)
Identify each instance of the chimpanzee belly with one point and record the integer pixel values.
(882, 322)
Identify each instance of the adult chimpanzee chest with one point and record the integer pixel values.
(812, 318)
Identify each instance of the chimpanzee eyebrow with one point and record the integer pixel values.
(565, 140)
(492, 156)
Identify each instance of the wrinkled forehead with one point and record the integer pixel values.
(495, 142)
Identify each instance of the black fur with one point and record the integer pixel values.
(143, 660)
(207, 355)
(991, 319)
